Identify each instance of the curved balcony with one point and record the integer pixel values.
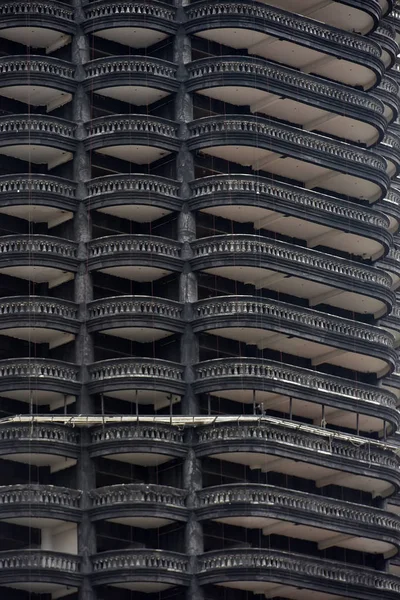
(37, 80)
(389, 148)
(350, 15)
(39, 139)
(385, 36)
(39, 320)
(147, 506)
(314, 161)
(275, 445)
(388, 93)
(391, 208)
(300, 515)
(274, 573)
(318, 277)
(38, 258)
(308, 102)
(137, 80)
(49, 445)
(145, 445)
(289, 39)
(139, 139)
(39, 380)
(40, 571)
(135, 257)
(39, 24)
(391, 264)
(140, 198)
(148, 571)
(139, 380)
(302, 392)
(38, 198)
(323, 220)
(130, 23)
(293, 330)
(139, 318)
(20, 504)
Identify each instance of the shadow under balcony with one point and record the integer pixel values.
(313, 160)
(285, 209)
(282, 446)
(139, 139)
(38, 198)
(309, 102)
(55, 446)
(137, 80)
(134, 24)
(274, 574)
(139, 318)
(148, 571)
(145, 381)
(37, 80)
(147, 506)
(41, 24)
(140, 198)
(135, 257)
(300, 392)
(145, 445)
(300, 272)
(289, 39)
(38, 258)
(40, 139)
(325, 521)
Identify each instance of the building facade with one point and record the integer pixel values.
(199, 257)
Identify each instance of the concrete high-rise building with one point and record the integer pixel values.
(199, 211)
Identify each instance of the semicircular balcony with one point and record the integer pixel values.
(134, 24)
(40, 571)
(38, 258)
(147, 571)
(385, 36)
(135, 257)
(391, 263)
(274, 573)
(315, 161)
(39, 320)
(286, 209)
(52, 445)
(300, 392)
(309, 102)
(391, 207)
(388, 93)
(41, 24)
(289, 39)
(389, 148)
(139, 139)
(38, 198)
(42, 381)
(144, 445)
(40, 139)
(141, 198)
(37, 80)
(279, 511)
(145, 381)
(321, 456)
(148, 506)
(40, 505)
(317, 337)
(137, 80)
(137, 318)
(350, 15)
(300, 272)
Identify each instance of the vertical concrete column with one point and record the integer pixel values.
(194, 540)
(187, 221)
(86, 477)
